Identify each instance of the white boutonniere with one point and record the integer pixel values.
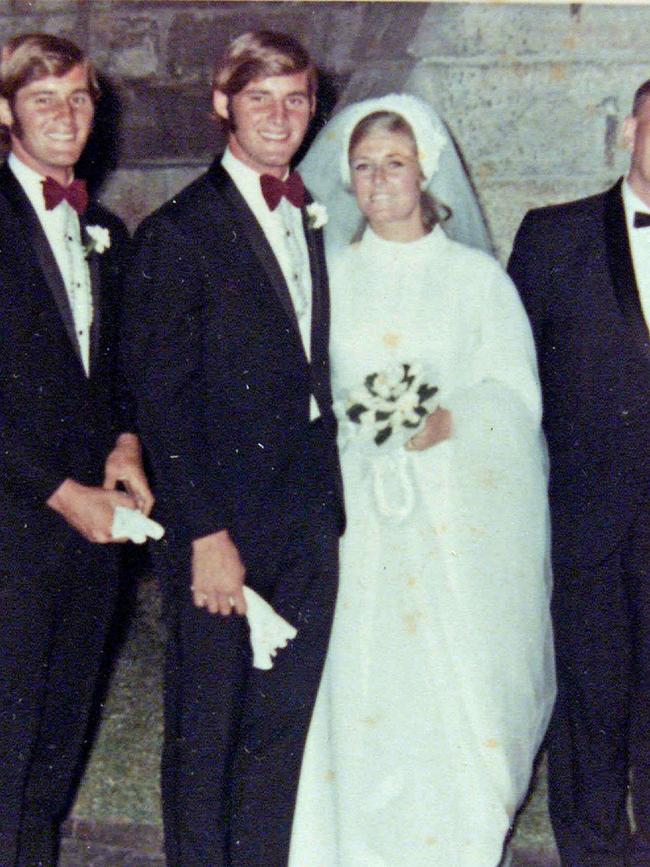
(317, 215)
(100, 240)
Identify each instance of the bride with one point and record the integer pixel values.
(438, 683)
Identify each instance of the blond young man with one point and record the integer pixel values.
(67, 440)
(226, 339)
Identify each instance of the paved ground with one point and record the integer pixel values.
(102, 844)
(88, 843)
(91, 855)
(78, 853)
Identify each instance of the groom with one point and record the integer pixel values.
(226, 341)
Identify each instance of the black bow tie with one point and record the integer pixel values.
(641, 220)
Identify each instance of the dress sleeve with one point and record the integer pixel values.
(495, 534)
(503, 360)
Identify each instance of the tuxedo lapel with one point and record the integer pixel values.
(27, 218)
(256, 239)
(622, 268)
(94, 269)
(320, 305)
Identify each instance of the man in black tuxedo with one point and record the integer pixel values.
(226, 341)
(66, 440)
(583, 270)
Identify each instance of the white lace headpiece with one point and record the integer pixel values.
(430, 135)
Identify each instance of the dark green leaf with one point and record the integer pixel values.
(425, 392)
(370, 383)
(355, 412)
(383, 435)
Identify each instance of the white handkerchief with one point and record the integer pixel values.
(133, 525)
(269, 631)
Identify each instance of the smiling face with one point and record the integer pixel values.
(49, 122)
(386, 179)
(268, 118)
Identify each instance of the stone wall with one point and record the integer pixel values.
(534, 93)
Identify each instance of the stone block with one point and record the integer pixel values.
(30, 19)
(40, 7)
(160, 122)
(199, 33)
(376, 79)
(134, 193)
(504, 203)
(387, 29)
(126, 45)
(334, 33)
(533, 119)
(195, 40)
(534, 30)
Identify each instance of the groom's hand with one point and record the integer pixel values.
(218, 574)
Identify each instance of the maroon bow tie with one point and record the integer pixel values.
(75, 193)
(641, 220)
(273, 189)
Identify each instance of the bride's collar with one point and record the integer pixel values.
(433, 238)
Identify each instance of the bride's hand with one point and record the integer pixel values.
(437, 427)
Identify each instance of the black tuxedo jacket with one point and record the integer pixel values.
(573, 268)
(54, 421)
(216, 359)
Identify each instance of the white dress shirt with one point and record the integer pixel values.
(284, 231)
(639, 246)
(63, 232)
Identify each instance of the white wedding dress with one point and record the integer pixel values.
(439, 682)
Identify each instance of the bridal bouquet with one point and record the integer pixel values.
(389, 400)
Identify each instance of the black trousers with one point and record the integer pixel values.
(53, 625)
(599, 738)
(234, 735)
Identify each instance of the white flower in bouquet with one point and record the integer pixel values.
(406, 407)
(382, 386)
